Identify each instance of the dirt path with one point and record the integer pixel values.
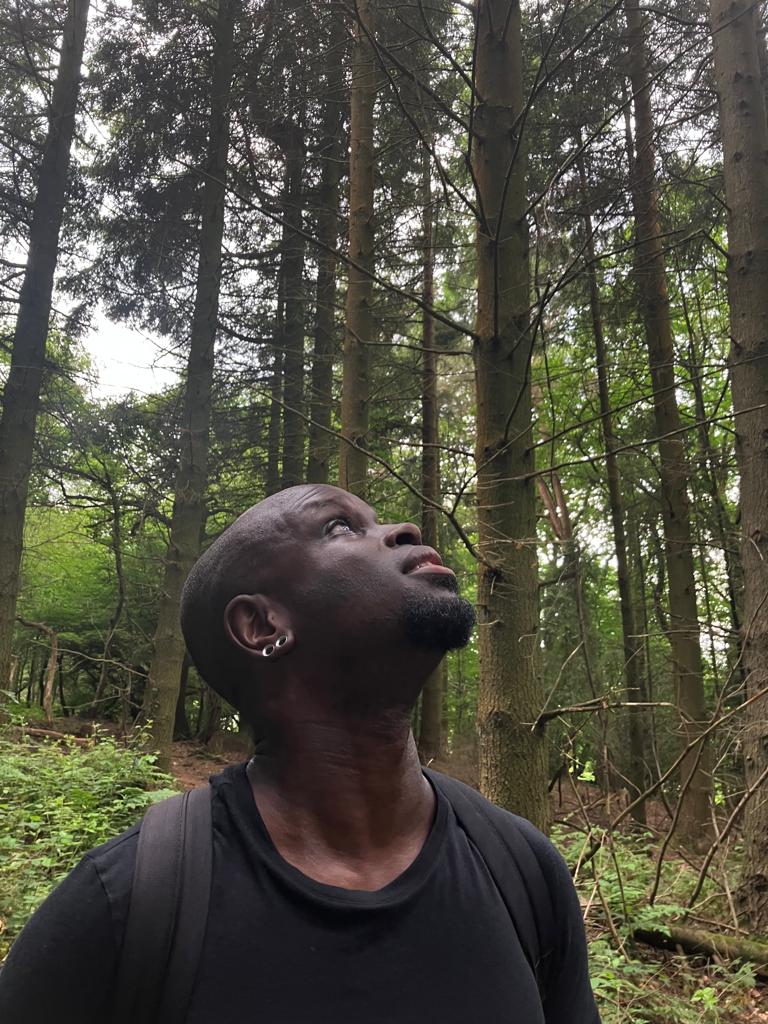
(192, 764)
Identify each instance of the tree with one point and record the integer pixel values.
(431, 718)
(683, 632)
(744, 131)
(21, 397)
(635, 690)
(358, 334)
(292, 300)
(189, 492)
(321, 443)
(512, 755)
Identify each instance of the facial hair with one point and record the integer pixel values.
(437, 620)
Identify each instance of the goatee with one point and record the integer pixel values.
(440, 621)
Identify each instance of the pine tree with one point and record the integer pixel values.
(21, 397)
(512, 756)
(744, 131)
(355, 396)
(189, 492)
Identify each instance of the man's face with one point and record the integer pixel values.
(351, 582)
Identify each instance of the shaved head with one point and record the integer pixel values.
(240, 561)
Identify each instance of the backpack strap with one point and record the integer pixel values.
(513, 866)
(168, 912)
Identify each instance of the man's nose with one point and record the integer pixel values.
(402, 533)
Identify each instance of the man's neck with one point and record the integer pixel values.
(344, 798)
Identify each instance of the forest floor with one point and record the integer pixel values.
(192, 764)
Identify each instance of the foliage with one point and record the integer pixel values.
(58, 800)
(633, 984)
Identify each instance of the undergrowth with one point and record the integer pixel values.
(635, 985)
(58, 800)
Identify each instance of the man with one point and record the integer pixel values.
(344, 889)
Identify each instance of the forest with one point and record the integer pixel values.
(498, 267)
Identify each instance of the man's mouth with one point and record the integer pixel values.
(427, 561)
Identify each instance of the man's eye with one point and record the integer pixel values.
(339, 525)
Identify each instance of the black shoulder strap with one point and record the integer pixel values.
(168, 912)
(512, 864)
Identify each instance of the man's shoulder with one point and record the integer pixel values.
(119, 848)
(510, 825)
(113, 863)
(503, 819)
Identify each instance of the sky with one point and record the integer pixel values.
(126, 359)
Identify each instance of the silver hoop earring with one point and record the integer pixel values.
(281, 641)
(268, 651)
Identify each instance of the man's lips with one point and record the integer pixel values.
(427, 561)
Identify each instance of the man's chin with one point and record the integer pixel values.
(439, 621)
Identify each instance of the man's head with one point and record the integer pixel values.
(365, 609)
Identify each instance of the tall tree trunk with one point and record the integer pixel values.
(358, 333)
(272, 475)
(191, 477)
(181, 729)
(321, 442)
(715, 480)
(21, 397)
(292, 272)
(683, 632)
(512, 755)
(431, 720)
(762, 52)
(114, 622)
(633, 681)
(745, 145)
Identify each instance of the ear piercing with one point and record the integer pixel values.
(270, 649)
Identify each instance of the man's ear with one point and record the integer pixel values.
(252, 623)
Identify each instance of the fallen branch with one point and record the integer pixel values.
(695, 941)
(50, 734)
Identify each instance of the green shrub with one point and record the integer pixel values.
(58, 800)
(632, 984)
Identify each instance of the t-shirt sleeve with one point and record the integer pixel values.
(568, 997)
(61, 967)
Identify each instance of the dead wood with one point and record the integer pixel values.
(697, 941)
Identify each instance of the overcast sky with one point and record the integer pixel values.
(127, 360)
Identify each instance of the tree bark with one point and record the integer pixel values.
(21, 397)
(512, 757)
(744, 133)
(292, 273)
(431, 721)
(181, 729)
(633, 680)
(359, 328)
(272, 475)
(321, 442)
(188, 507)
(683, 631)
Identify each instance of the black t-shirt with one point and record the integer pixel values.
(435, 945)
